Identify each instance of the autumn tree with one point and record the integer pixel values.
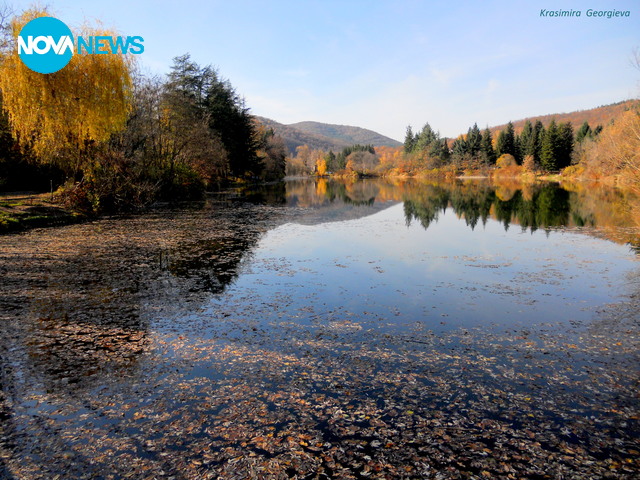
(389, 157)
(616, 151)
(330, 161)
(341, 158)
(225, 110)
(64, 116)
(272, 152)
(362, 162)
(321, 167)
(305, 156)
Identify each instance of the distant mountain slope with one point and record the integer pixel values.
(294, 138)
(602, 115)
(349, 134)
(324, 136)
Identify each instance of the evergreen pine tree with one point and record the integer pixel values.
(551, 147)
(486, 148)
(538, 136)
(525, 140)
(583, 132)
(565, 145)
(409, 140)
(474, 139)
(426, 138)
(330, 159)
(438, 150)
(459, 147)
(506, 141)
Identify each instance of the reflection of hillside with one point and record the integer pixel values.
(508, 201)
(615, 212)
(532, 207)
(337, 200)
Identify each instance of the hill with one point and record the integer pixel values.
(349, 134)
(602, 115)
(294, 138)
(324, 136)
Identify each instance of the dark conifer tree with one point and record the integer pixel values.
(409, 140)
(506, 141)
(551, 147)
(474, 140)
(538, 136)
(486, 148)
(583, 132)
(565, 132)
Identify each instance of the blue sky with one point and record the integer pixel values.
(386, 64)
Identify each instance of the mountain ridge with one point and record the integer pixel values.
(601, 115)
(325, 136)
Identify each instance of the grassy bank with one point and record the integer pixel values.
(24, 210)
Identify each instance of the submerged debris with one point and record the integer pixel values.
(117, 364)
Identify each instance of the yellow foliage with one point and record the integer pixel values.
(505, 193)
(620, 146)
(321, 187)
(615, 153)
(81, 104)
(506, 160)
(321, 166)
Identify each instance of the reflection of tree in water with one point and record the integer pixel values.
(361, 193)
(355, 193)
(426, 204)
(77, 305)
(545, 206)
(328, 191)
(265, 194)
(87, 300)
(209, 265)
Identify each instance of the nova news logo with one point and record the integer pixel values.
(46, 45)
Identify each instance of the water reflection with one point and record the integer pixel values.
(540, 206)
(83, 305)
(321, 314)
(606, 211)
(79, 301)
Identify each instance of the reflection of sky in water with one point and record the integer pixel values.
(378, 269)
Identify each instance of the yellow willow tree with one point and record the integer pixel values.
(63, 117)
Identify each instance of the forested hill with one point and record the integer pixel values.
(324, 136)
(602, 115)
(351, 135)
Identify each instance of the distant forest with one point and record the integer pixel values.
(540, 146)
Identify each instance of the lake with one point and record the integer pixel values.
(328, 329)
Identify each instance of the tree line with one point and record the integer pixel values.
(549, 148)
(113, 139)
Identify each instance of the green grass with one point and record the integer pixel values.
(15, 222)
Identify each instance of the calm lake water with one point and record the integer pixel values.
(323, 329)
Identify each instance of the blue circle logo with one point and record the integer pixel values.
(45, 44)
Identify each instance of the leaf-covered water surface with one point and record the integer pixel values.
(330, 331)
